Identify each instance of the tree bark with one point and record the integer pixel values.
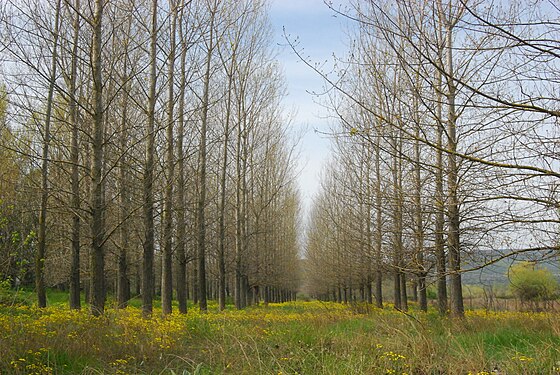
(148, 279)
(399, 283)
(167, 277)
(202, 173)
(42, 232)
(419, 222)
(181, 274)
(453, 242)
(439, 201)
(75, 302)
(123, 281)
(222, 227)
(378, 225)
(97, 199)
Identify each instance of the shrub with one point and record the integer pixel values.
(530, 283)
(5, 292)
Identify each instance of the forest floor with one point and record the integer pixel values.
(290, 338)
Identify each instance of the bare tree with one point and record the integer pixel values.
(97, 199)
(148, 278)
(201, 205)
(167, 278)
(42, 232)
(181, 214)
(75, 302)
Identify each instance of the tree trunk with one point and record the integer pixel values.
(222, 228)
(97, 199)
(75, 302)
(378, 226)
(453, 242)
(202, 174)
(439, 201)
(419, 225)
(181, 273)
(239, 214)
(167, 277)
(123, 283)
(148, 279)
(42, 232)
(397, 229)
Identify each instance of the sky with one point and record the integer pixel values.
(320, 34)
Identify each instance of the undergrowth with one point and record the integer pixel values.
(290, 338)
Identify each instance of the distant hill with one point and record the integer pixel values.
(496, 273)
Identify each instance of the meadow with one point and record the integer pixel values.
(280, 339)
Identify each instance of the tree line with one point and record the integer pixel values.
(445, 152)
(145, 151)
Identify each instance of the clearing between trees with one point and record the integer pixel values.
(288, 338)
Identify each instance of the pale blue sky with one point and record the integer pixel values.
(320, 34)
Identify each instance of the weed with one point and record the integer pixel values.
(292, 338)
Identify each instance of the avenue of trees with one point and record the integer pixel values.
(144, 151)
(446, 153)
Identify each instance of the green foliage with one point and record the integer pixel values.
(530, 283)
(5, 291)
(9, 296)
(3, 105)
(431, 292)
(17, 220)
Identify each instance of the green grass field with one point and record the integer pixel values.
(291, 338)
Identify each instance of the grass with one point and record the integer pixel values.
(291, 338)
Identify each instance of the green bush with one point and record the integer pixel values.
(10, 296)
(531, 283)
(5, 292)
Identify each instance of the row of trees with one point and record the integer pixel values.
(144, 149)
(446, 153)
